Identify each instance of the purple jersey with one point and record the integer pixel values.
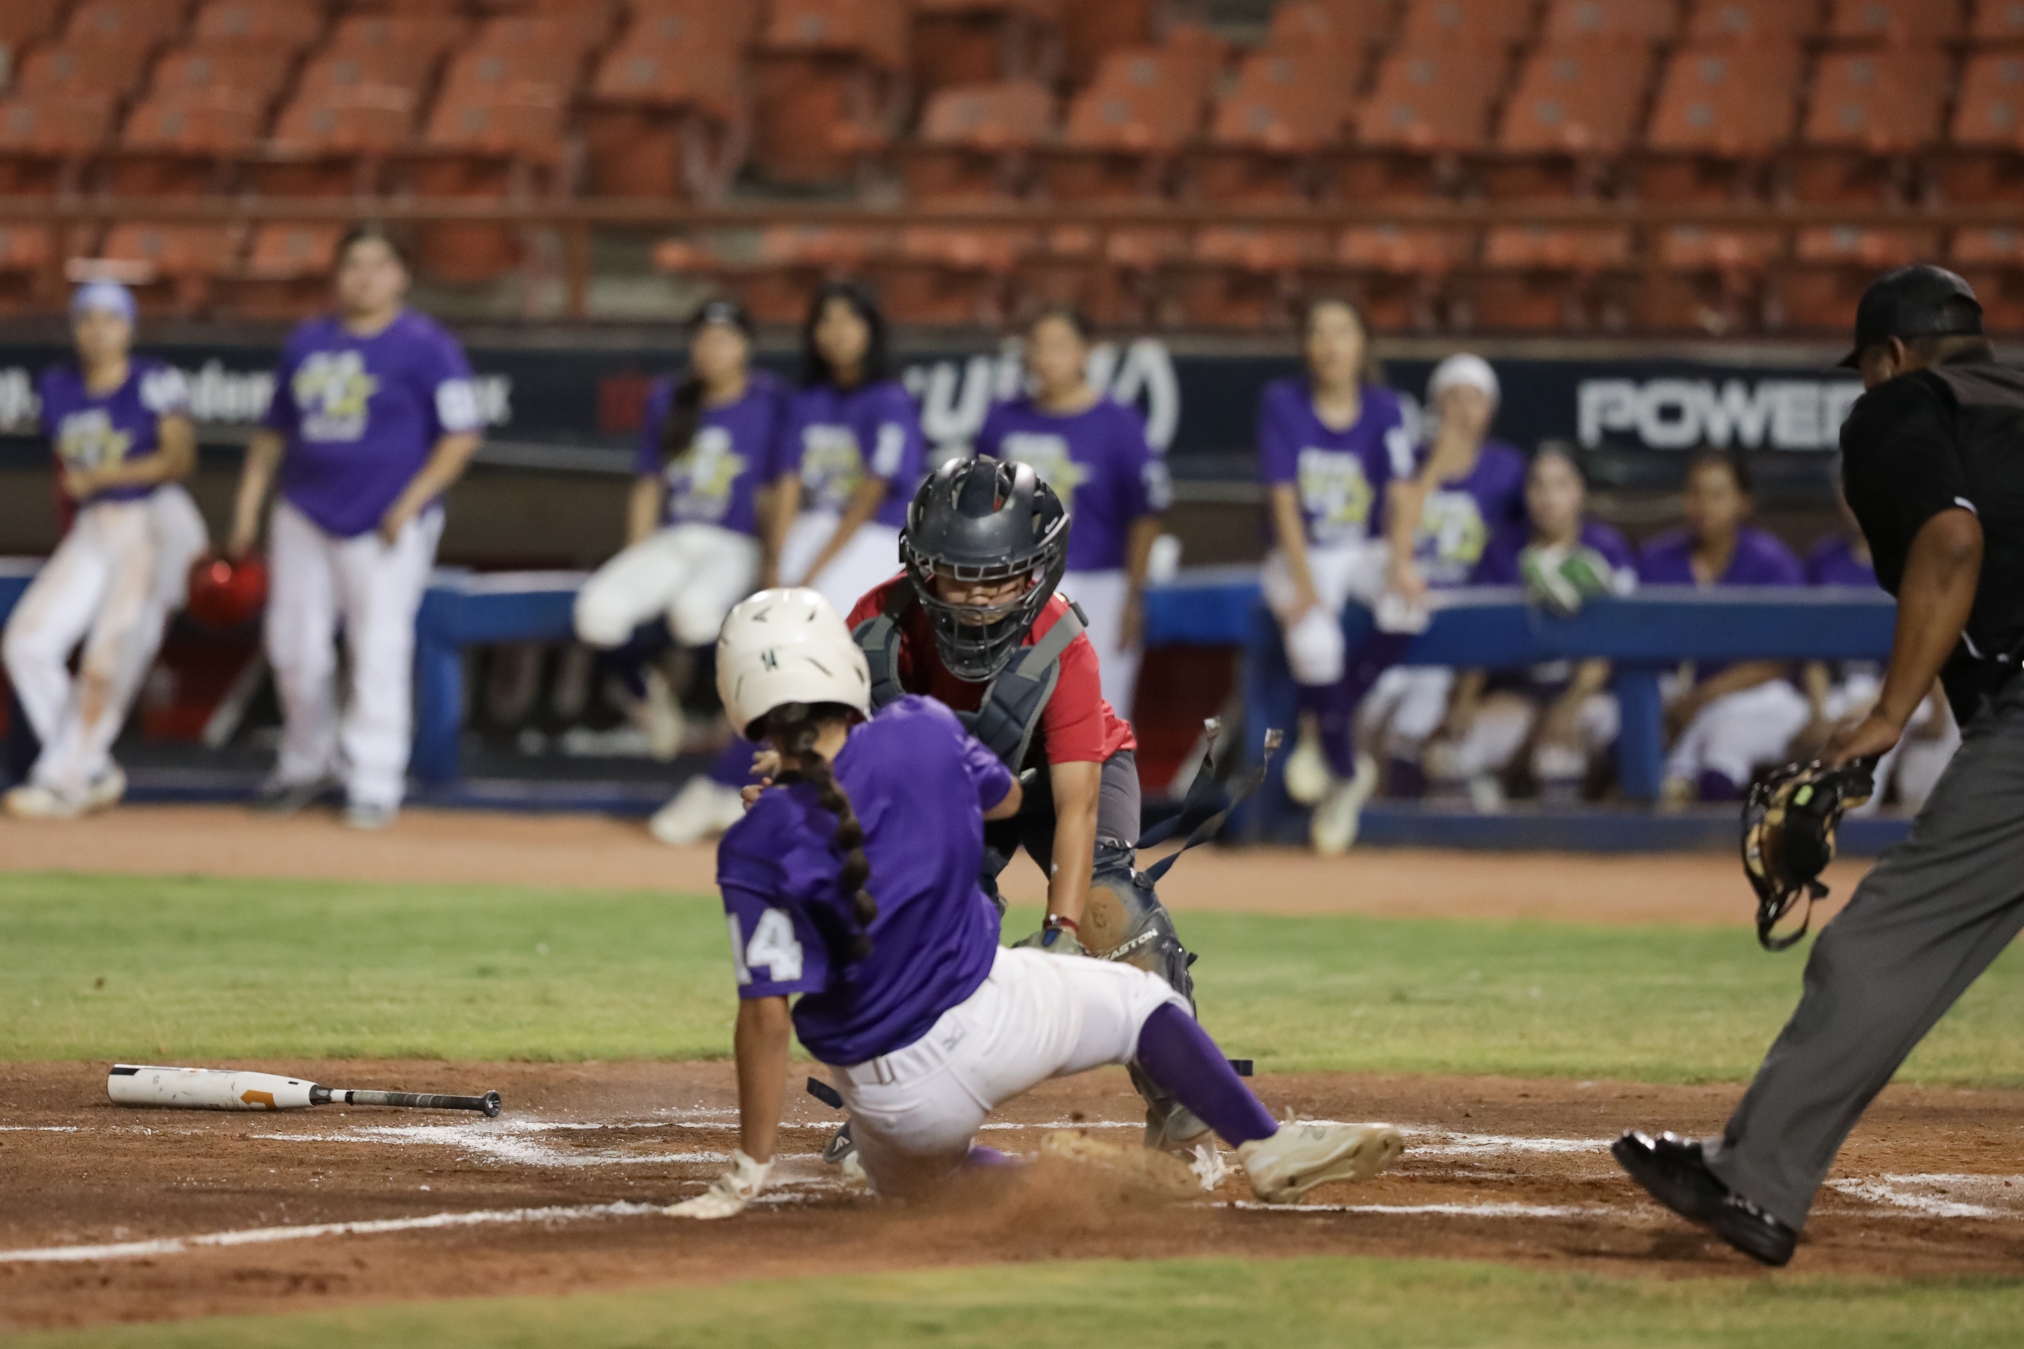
(836, 437)
(716, 480)
(1833, 563)
(1466, 518)
(1500, 564)
(1760, 560)
(919, 784)
(98, 431)
(1341, 475)
(1097, 460)
(362, 413)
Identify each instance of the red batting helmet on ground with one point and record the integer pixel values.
(225, 593)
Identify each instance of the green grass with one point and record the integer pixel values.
(1176, 1304)
(217, 969)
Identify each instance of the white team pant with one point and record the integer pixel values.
(870, 559)
(1102, 595)
(1342, 572)
(1502, 725)
(375, 589)
(1409, 702)
(112, 583)
(1920, 755)
(914, 1112)
(692, 573)
(1738, 731)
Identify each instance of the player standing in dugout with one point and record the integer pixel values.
(1933, 465)
(373, 418)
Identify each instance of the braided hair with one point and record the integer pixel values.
(793, 728)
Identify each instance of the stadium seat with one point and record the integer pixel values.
(1537, 278)
(969, 42)
(1396, 274)
(1868, 107)
(669, 110)
(1124, 134)
(1427, 103)
(1892, 22)
(1574, 107)
(1983, 160)
(485, 76)
(26, 274)
(570, 32)
(397, 38)
(1431, 25)
(1831, 266)
(827, 75)
(333, 143)
(1998, 23)
(776, 278)
(23, 22)
(976, 142)
(173, 266)
(227, 74)
(1343, 35)
(286, 274)
(348, 76)
(1992, 261)
(81, 70)
(1646, 21)
(170, 148)
(1707, 281)
(1111, 275)
(269, 27)
(1245, 276)
(936, 275)
(1089, 33)
(47, 140)
(1268, 133)
(1748, 22)
(125, 23)
(725, 24)
(1723, 109)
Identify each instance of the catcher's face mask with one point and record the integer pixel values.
(1789, 821)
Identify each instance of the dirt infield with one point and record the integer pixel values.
(118, 1214)
(575, 851)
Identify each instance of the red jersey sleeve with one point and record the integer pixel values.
(1081, 727)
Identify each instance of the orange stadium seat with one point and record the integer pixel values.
(776, 279)
(874, 31)
(1892, 22)
(1124, 134)
(1395, 274)
(1428, 106)
(1742, 22)
(1585, 20)
(286, 274)
(1267, 134)
(540, 76)
(976, 142)
(125, 23)
(172, 148)
(966, 42)
(173, 266)
(950, 276)
(1343, 35)
(568, 32)
(74, 70)
(1431, 25)
(272, 27)
(1992, 261)
(1575, 101)
(1830, 268)
(1998, 23)
(1536, 278)
(352, 75)
(333, 142)
(725, 24)
(1868, 106)
(396, 38)
(827, 77)
(1111, 275)
(1707, 281)
(669, 110)
(1089, 33)
(46, 140)
(26, 276)
(1983, 160)
(1245, 276)
(1723, 109)
(23, 22)
(225, 74)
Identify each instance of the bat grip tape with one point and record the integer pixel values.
(488, 1104)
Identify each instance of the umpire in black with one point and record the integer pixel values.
(1933, 464)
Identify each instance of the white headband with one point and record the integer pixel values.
(1464, 371)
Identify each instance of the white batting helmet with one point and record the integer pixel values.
(787, 646)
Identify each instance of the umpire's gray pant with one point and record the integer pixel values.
(1918, 930)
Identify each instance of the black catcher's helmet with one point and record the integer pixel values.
(979, 521)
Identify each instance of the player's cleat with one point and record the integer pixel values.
(32, 801)
(1336, 820)
(1307, 775)
(1175, 1129)
(362, 815)
(1305, 1154)
(280, 798)
(702, 809)
(1674, 1171)
(107, 790)
(841, 1151)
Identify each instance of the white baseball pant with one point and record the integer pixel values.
(1920, 755)
(914, 1112)
(692, 573)
(1738, 731)
(869, 560)
(111, 583)
(375, 589)
(1409, 702)
(1102, 595)
(1503, 723)
(1315, 648)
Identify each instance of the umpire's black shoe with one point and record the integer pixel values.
(1676, 1173)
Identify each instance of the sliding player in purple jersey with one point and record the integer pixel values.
(1094, 453)
(853, 888)
(1729, 717)
(849, 456)
(1330, 446)
(705, 457)
(119, 426)
(374, 417)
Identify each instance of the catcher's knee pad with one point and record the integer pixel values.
(1124, 920)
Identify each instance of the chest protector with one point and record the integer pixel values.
(1014, 699)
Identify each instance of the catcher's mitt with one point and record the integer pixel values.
(1789, 821)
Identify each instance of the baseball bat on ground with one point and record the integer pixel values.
(230, 1089)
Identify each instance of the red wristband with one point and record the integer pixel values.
(1057, 920)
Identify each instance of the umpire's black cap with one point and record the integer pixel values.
(1916, 301)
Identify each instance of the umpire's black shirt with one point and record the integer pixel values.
(1948, 438)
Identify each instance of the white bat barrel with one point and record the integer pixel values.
(205, 1088)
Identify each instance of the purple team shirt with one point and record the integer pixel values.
(98, 431)
(716, 481)
(1341, 475)
(361, 414)
(1500, 564)
(1466, 519)
(1097, 460)
(1760, 560)
(919, 784)
(1833, 563)
(836, 437)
